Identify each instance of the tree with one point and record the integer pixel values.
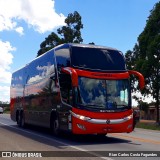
(131, 57)
(146, 57)
(4, 104)
(71, 33)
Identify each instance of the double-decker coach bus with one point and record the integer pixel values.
(84, 89)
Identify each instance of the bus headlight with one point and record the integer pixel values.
(128, 117)
(84, 118)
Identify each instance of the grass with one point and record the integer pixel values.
(148, 125)
(6, 110)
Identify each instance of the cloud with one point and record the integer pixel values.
(5, 74)
(38, 14)
(20, 30)
(4, 93)
(5, 54)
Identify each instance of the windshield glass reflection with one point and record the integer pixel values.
(103, 94)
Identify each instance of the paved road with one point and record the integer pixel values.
(34, 139)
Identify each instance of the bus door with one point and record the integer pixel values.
(66, 100)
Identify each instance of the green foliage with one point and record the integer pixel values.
(145, 57)
(4, 104)
(144, 106)
(70, 33)
(92, 43)
(152, 126)
(7, 109)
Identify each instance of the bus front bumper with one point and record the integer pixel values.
(86, 125)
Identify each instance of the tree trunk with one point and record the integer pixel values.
(157, 107)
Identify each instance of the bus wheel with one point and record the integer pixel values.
(20, 119)
(23, 124)
(55, 126)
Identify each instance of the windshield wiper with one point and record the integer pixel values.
(92, 105)
(122, 105)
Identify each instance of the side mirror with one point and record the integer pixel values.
(73, 74)
(140, 76)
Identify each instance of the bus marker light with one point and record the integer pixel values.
(129, 126)
(81, 126)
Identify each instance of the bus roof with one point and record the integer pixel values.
(70, 45)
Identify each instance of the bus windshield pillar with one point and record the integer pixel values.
(73, 74)
(140, 76)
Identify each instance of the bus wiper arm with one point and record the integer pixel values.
(124, 105)
(94, 105)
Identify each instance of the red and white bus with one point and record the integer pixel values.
(84, 89)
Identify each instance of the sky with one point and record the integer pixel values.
(24, 24)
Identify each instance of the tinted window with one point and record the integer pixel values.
(17, 79)
(41, 68)
(62, 58)
(97, 59)
(17, 83)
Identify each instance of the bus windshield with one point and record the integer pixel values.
(98, 94)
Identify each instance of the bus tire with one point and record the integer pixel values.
(20, 119)
(23, 124)
(55, 126)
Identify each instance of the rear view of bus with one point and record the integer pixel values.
(94, 81)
